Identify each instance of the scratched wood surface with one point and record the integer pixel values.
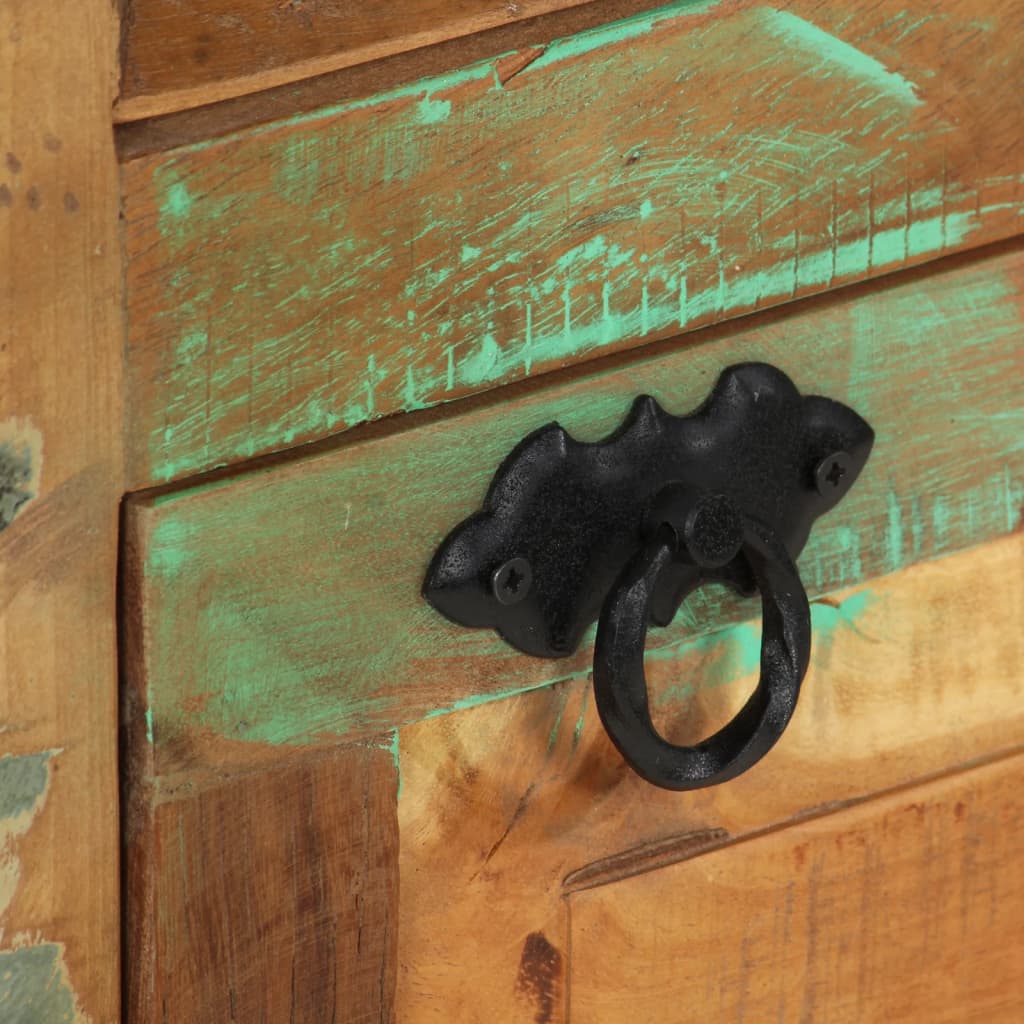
(178, 55)
(508, 808)
(908, 909)
(60, 484)
(629, 183)
(271, 897)
(283, 606)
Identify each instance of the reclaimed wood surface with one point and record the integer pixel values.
(908, 909)
(660, 173)
(508, 808)
(180, 54)
(60, 484)
(270, 897)
(283, 606)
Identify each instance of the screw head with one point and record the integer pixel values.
(510, 582)
(833, 474)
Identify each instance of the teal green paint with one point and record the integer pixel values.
(624, 31)
(577, 731)
(834, 52)
(23, 782)
(34, 986)
(941, 522)
(178, 203)
(431, 111)
(149, 726)
(218, 418)
(553, 735)
(828, 620)
(393, 747)
(894, 535)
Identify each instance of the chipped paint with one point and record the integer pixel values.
(24, 782)
(600, 241)
(35, 987)
(21, 459)
(257, 638)
(837, 54)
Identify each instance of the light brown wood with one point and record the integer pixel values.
(399, 251)
(508, 808)
(178, 55)
(283, 606)
(272, 897)
(60, 484)
(907, 909)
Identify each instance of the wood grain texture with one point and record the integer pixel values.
(509, 807)
(392, 253)
(60, 484)
(178, 55)
(283, 606)
(271, 897)
(908, 909)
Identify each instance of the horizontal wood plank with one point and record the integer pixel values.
(272, 897)
(178, 54)
(910, 909)
(509, 807)
(283, 607)
(661, 173)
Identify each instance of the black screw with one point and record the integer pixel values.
(510, 582)
(833, 474)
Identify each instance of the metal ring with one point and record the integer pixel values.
(620, 685)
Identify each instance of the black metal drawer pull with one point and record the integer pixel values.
(623, 530)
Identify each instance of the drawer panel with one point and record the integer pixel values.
(905, 910)
(284, 606)
(620, 186)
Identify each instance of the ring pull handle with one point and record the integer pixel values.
(621, 530)
(620, 683)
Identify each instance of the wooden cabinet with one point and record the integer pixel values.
(364, 254)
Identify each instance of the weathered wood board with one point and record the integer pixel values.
(270, 897)
(283, 607)
(508, 808)
(178, 55)
(632, 182)
(61, 481)
(908, 909)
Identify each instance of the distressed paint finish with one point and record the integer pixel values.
(23, 785)
(660, 173)
(34, 987)
(906, 909)
(284, 607)
(508, 808)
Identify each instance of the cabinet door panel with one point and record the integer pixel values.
(512, 812)
(910, 908)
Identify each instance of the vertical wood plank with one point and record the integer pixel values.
(60, 483)
(271, 897)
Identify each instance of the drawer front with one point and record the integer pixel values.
(542, 208)
(292, 702)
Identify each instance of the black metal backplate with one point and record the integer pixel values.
(561, 518)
